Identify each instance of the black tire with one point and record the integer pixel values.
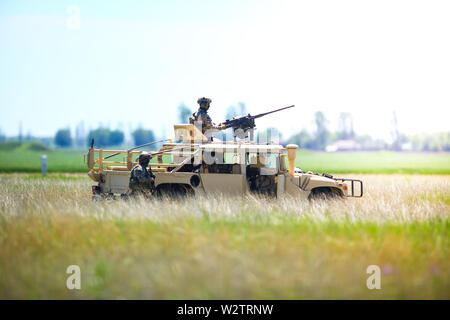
(323, 193)
(195, 181)
(174, 190)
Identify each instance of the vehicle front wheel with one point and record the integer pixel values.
(174, 190)
(324, 193)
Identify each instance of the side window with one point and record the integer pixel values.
(270, 160)
(231, 158)
(251, 158)
(219, 162)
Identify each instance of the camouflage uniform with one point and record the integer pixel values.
(141, 178)
(201, 118)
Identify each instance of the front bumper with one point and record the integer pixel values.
(352, 187)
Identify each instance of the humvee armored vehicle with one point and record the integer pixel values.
(193, 164)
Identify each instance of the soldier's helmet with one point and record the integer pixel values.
(144, 157)
(204, 102)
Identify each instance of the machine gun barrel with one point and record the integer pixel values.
(266, 113)
(248, 121)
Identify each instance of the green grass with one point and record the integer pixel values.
(30, 161)
(204, 259)
(224, 248)
(26, 157)
(23, 158)
(374, 162)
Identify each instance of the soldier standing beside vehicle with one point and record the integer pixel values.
(201, 118)
(142, 179)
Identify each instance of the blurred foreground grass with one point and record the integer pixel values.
(26, 158)
(212, 248)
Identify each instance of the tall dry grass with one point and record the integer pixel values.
(219, 247)
(394, 198)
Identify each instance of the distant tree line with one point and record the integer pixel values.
(321, 137)
(104, 137)
(429, 142)
(317, 139)
(142, 136)
(2, 136)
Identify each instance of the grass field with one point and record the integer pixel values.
(22, 159)
(203, 248)
(374, 162)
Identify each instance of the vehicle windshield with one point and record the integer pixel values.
(231, 158)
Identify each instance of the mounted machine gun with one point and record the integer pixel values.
(243, 125)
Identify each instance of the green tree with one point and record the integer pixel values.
(234, 111)
(395, 133)
(116, 137)
(2, 136)
(184, 113)
(269, 135)
(302, 139)
(439, 141)
(141, 136)
(345, 126)
(231, 112)
(63, 138)
(100, 136)
(321, 133)
(105, 137)
(242, 108)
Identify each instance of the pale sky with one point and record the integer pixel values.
(134, 62)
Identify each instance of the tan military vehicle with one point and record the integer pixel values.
(192, 164)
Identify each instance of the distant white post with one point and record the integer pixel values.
(44, 165)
